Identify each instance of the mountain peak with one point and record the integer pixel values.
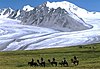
(27, 8)
(55, 5)
(69, 7)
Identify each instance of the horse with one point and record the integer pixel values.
(32, 63)
(53, 62)
(75, 61)
(63, 63)
(42, 63)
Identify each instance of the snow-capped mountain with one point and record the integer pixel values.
(9, 13)
(5, 12)
(56, 16)
(41, 27)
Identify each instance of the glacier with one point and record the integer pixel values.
(15, 36)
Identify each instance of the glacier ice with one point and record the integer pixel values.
(15, 36)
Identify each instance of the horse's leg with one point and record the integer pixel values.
(29, 63)
(43, 64)
(52, 63)
(74, 62)
(56, 63)
(66, 63)
(77, 62)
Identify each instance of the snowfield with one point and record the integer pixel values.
(15, 36)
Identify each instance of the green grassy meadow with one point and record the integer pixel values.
(88, 55)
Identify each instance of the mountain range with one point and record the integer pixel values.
(58, 18)
(56, 24)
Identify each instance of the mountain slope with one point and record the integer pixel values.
(24, 29)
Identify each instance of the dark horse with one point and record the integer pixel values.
(32, 63)
(42, 63)
(75, 61)
(53, 62)
(64, 62)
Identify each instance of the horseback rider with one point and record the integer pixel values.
(53, 60)
(64, 60)
(32, 60)
(75, 58)
(42, 60)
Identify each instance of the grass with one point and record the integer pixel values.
(88, 56)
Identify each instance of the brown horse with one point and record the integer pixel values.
(32, 63)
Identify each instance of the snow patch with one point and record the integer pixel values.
(27, 8)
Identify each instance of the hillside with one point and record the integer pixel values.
(88, 55)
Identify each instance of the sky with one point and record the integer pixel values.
(90, 5)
